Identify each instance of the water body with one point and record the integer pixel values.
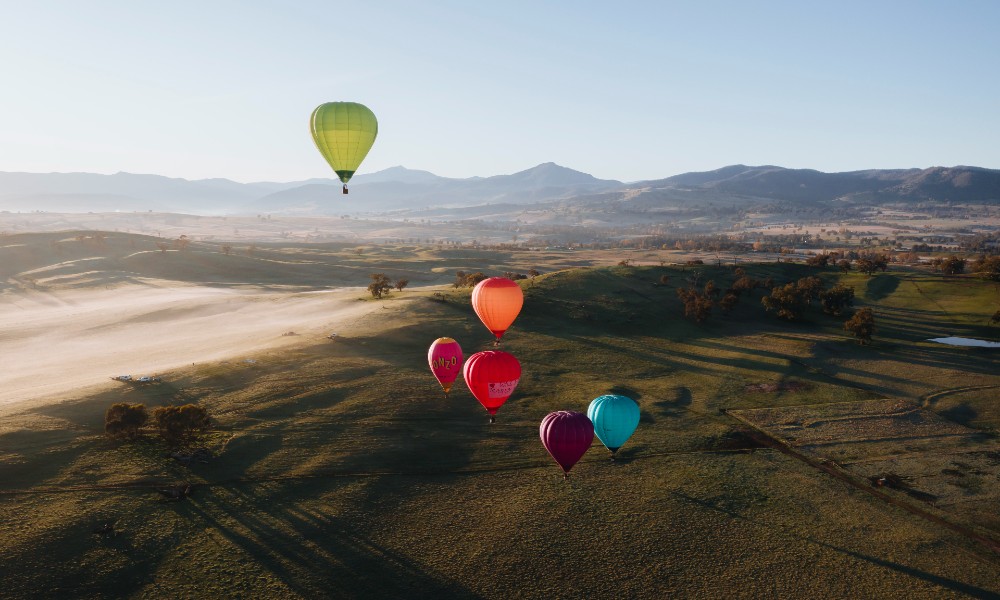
(960, 341)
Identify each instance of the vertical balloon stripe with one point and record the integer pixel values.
(615, 418)
(344, 132)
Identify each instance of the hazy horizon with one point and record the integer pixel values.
(643, 92)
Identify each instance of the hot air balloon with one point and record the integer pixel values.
(497, 301)
(615, 419)
(344, 133)
(492, 376)
(445, 359)
(566, 435)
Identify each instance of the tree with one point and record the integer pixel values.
(862, 325)
(810, 288)
(697, 305)
(866, 266)
(401, 283)
(987, 267)
(729, 301)
(534, 273)
(787, 301)
(178, 424)
(818, 260)
(124, 419)
(836, 299)
(227, 249)
(379, 286)
(664, 279)
(844, 265)
(953, 265)
(744, 284)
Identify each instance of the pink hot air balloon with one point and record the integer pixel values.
(566, 435)
(445, 359)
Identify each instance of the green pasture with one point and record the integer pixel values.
(341, 470)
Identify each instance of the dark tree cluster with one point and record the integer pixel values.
(379, 286)
(987, 267)
(175, 424)
(125, 420)
(179, 424)
(862, 325)
(869, 263)
(698, 304)
(463, 279)
(818, 260)
(789, 301)
(837, 299)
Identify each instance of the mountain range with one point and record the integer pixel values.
(398, 188)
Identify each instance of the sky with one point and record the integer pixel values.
(623, 90)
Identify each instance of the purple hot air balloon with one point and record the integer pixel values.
(566, 435)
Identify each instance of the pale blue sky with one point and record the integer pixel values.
(621, 90)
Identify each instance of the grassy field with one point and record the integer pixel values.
(341, 470)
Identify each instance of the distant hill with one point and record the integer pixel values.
(955, 184)
(399, 188)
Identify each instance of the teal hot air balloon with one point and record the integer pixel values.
(615, 419)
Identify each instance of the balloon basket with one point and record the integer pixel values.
(492, 419)
(345, 189)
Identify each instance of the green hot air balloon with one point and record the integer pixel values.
(344, 133)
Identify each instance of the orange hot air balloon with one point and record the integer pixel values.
(492, 376)
(445, 359)
(497, 301)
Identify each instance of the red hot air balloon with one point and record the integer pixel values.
(567, 436)
(497, 301)
(445, 359)
(492, 376)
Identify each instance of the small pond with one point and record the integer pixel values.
(960, 341)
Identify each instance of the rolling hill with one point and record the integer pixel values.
(399, 188)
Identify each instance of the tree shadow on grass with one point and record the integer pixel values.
(945, 582)
(320, 554)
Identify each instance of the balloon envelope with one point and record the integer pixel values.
(344, 133)
(566, 435)
(497, 301)
(445, 359)
(492, 377)
(615, 419)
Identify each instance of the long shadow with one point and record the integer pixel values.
(945, 582)
(321, 555)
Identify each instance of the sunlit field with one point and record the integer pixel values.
(338, 468)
